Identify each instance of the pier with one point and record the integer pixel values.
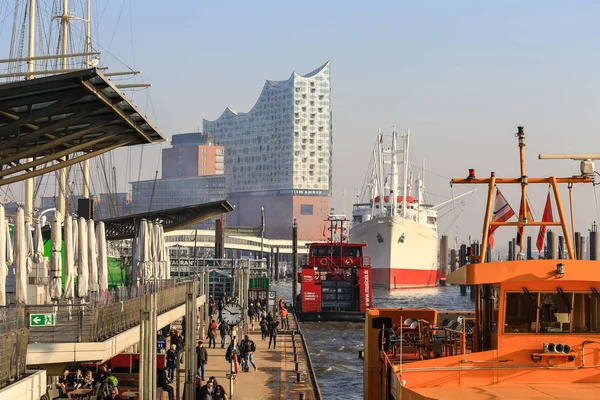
(283, 373)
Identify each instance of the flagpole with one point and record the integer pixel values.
(523, 214)
(488, 213)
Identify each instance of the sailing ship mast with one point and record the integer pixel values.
(393, 198)
(405, 166)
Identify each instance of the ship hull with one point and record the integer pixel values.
(403, 252)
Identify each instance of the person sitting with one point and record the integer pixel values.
(78, 379)
(88, 380)
(161, 382)
(114, 394)
(64, 381)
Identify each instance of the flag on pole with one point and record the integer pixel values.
(502, 213)
(529, 217)
(324, 230)
(547, 217)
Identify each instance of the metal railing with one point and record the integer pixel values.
(99, 320)
(13, 355)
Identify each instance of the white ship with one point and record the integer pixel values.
(400, 230)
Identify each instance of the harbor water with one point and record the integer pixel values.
(334, 346)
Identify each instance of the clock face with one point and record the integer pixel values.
(232, 313)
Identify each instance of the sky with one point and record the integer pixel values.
(462, 75)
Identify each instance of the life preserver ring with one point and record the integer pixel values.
(348, 261)
(323, 261)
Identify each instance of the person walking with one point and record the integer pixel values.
(224, 330)
(264, 329)
(273, 334)
(212, 333)
(248, 347)
(172, 361)
(202, 356)
(284, 318)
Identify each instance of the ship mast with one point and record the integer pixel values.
(405, 165)
(380, 167)
(85, 168)
(393, 199)
(30, 70)
(523, 180)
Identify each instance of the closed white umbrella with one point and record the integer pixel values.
(38, 244)
(166, 256)
(92, 257)
(3, 267)
(10, 254)
(102, 258)
(160, 251)
(143, 251)
(76, 245)
(82, 251)
(69, 259)
(151, 264)
(20, 258)
(29, 247)
(55, 257)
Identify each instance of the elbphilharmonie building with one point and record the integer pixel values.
(278, 155)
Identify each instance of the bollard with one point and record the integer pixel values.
(298, 377)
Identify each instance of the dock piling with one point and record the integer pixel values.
(578, 248)
(444, 255)
(594, 254)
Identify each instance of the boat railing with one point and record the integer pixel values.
(93, 322)
(458, 336)
(336, 262)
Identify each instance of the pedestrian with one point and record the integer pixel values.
(251, 315)
(202, 356)
(273, 334)
(179, 342)
(212, 333)
(183, 326)
(172, 361)
(163, 383)
(281, 303)
(269, 318)
(284, 320)
(220, 309)
(208, 391)
(220, 393)
(248, 349)
(224, 330)
(264, 329)
(233, 334)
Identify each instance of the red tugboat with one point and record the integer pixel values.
(335, 278)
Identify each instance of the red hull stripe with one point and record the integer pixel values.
(396, 278)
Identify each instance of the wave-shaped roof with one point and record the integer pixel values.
(268, 85)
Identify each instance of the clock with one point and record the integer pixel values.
(232, 313)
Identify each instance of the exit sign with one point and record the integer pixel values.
(42, 320)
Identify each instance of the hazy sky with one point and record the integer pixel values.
(461, 74)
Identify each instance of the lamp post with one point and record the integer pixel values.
(262, 231)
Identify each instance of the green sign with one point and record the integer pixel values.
(241, 231)
(42, 320)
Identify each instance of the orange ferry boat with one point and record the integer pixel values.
(535, 332)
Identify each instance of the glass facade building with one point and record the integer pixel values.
(279, 154)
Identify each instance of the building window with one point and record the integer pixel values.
(306, 209)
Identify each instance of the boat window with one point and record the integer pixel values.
(319, 251)
(521, 312)
(555, 312)
(586, 313)
(353, 251)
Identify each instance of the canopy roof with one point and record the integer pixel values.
(525, 271)
(172, 219)
(77, 115)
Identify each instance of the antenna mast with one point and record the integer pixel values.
(393, 199)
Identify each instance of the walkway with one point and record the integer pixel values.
(275, 377)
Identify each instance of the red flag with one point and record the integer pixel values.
(502, 213)
(546, 218)
(324, 230)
